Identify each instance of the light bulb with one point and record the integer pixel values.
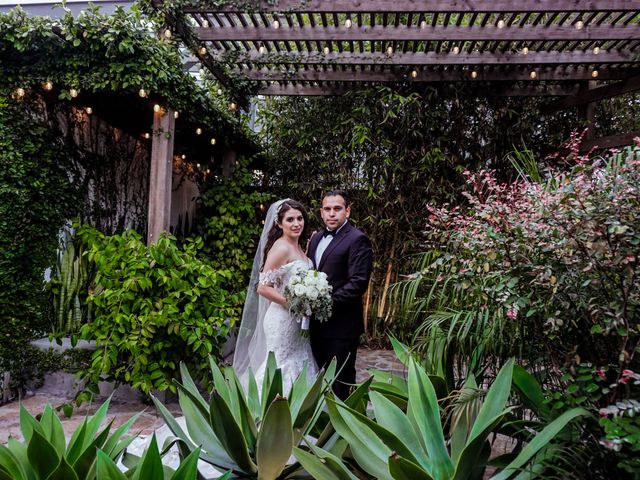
(156, 108)
(525, 51)
(579, 24)
(213, 141)
(595, 74)
(183, 156)
(167, 33)
(347, 23)
(142, 92)
(147, 135)
(89, 110)
(219, 91)
(261, 50)
(20, 92)
(326, 50)
(203, 51)
(48, 86)
(500, 23)
(533, 74)
(208, 171)
(232, 107)
(474, 74)
(73, 93)
(197, 165)
(456, 50)
(205, 23)
(176, 114)
(198, 131)
(596, 50)
(423, 24)
(276, 24)
(389, 51)
(414, 73)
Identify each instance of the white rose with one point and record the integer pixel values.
(299, 290)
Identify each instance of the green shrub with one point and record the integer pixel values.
(153, 307)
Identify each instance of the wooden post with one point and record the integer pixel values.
(588, 113)
(161, 174)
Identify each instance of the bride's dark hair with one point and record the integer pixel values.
(276, 231)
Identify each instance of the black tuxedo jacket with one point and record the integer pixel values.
(347, 261)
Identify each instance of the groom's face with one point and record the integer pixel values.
(334, 211)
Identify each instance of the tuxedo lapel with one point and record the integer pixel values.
(313, 246)
(340, 236)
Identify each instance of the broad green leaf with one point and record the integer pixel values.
(275, 440)
(334, 462)
(402, 469)
(107, 469)
(540, 441)
(151, 463)
(42, 455)
(86, 459)
(53, 431)
(28, 424)
(188, 469)
(253, 399)
(307, 409)
(529, 390)
(229, 433)
(461, 425)
(314, 466)
(424, 409)
(76, 444)
(11, 464)
(64, 472)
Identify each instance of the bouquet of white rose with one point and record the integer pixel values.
(308, 293)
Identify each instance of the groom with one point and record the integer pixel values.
(344, 253)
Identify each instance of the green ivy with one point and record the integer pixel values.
(153, 308)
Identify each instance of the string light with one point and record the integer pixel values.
(347, 23)
(203, 50)
(197, 165)
(456, 50)
(525, 51)
(167, 34)
(156, 108)
(326, 50)
(261, 50)
(183, 156)
(596, 50)
(208, 171)
(213, 141)
(276, 24)
(89, 110)
(176, 114)
(579, 24)
(500, 23)
(232, 107)
(48, 86)
(414, 74)
(474, 74)
(423, 24)
(595, 74)
(389, 51)
(533, 74)
(198, 131)
(142, 92)
(219, 91)
(73, 93)
(205, 23)
(147, 135)
(19, 93)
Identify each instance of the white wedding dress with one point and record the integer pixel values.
(282, 333)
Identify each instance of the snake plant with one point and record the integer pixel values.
(248, 433)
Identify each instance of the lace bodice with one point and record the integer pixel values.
(280, 276)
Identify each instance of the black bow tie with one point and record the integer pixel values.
(329, 233)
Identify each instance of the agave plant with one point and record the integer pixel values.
(248, 433)
(44, 453)
(411, 444)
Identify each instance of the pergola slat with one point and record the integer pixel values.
(428, 33)
(432, 58)
(404, 6)
(555, 74)
(600, 93)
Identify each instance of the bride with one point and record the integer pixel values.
(266, 324)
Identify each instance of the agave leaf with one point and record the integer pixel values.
(253, 399)
(76, 443)
(540, 441)
(389, 416)
(10, 464)
(424, 409)
(402, 351)
(42, 455)
(402, 469)
(52, 428)
(461, 425)
(4, 475)
(188, 469)
(28, 424)
(307, 409)
(368, 450)
(333, 461)
(19, 451)
(299, 390)
(230, 434)
(113, 446)
(275, 440)
(85, 460)
(529, 390)
(189, 387)
(107, 469)
(94, 422)
(63, 472)
(391, 379)
(151, 463)
(219, 381)
(267, 380)
(323, 464)
(244, 418)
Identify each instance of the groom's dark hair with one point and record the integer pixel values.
(342, 193)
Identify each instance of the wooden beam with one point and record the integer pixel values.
(600, 93)
(428, 58)
(612, 141)
(536, 91)
(160, 177)
(408, 6)
(306, 90)
(412, 33)
(555, 74)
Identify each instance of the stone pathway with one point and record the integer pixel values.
(124, 407)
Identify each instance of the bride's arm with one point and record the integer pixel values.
(277, 257)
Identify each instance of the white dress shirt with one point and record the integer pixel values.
(324, 243)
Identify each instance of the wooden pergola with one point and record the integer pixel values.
(582, 50)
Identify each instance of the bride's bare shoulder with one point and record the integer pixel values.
(278, 256)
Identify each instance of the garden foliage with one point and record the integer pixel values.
(153, 307)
